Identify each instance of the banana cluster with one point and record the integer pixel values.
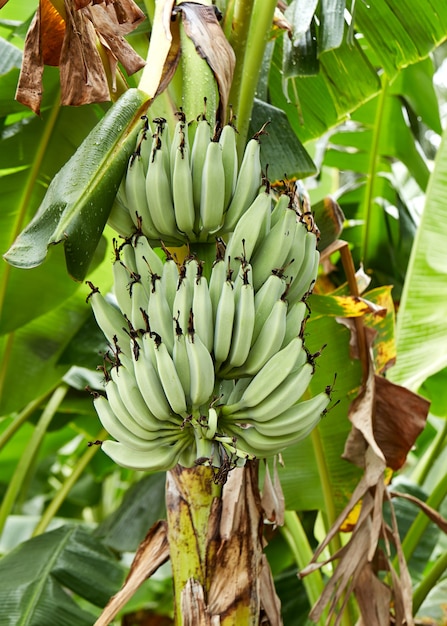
(208, 365)
(180, 193)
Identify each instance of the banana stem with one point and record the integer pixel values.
(293, 533)
(190, 494)
(260, 27)
(30, 453)
(65, 488)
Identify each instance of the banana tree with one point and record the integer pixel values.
(215, 511)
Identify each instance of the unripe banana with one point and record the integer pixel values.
(271, 291)
(157, 457)
(203, 312)
(121, 433)
(149, 382)
(159, 195)
(131, 396)
(294, 261)
(122, 286)
(144, 144)
(170, 380)
(110, 320)
(169, 280)
(271, 375)
(274, 249)
(236, 393)
(261, 446)
(296, 315)
(279, 400)
(147, 261)
(146, 422)
(308, 271)
(213, 191)
(297, 420)
(247, 186)
(179, 140)
(160, 314)
(198, 152)
(182, 304)
(217, 279)
(250, 230)
(211, 427)
(242, 330)
(139, 303)
(136, 198)
(223, 328)
(182, 189)
(269, 340)
(201, 368)
(282, 203)
(227, 140)
(119, 218)
(181, 362)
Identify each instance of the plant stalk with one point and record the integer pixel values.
(66, 487)
(30, 453)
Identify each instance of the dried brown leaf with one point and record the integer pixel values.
(52, 33)
(272, 496)
(152, 552)
(2, 3)
(269, 599)
(111, 33)
(202, 26)
(29, 88)
(82, 75)
(194, 611)
(431, 513)
(399, 418)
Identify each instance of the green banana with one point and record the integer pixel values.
(287, 393)
(169, 378)
(159, 195)
(122, 284)
(271, 291)
(181, 362)
(244, 319)
(160, 314)
(296, 315)
(182, 190)
(274, 250)
(157, 457)
(247, 185)
(201, 368)
(297, 419)
(182, 305)
(307, 275)
(272, 374)
(136, 198)
(125, 435)
(147, 261)
(228, 142)
(108, 317)
(213, 191)
(149, 383)
(202, 309)
(217, 279)
(268, 342)
(250, 230)
(200, 144)
(223, 326)
(169, 280)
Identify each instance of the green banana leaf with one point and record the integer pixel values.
(36, 578)
(421, 324)
(80, 196)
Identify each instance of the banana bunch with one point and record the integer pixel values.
(208, 365)
(180, 193)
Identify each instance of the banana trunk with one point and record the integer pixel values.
(215, 538)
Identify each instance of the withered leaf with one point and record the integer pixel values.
(152, 552)
(111, 32)
(82, 75)
(29, 88)
(202, 26)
